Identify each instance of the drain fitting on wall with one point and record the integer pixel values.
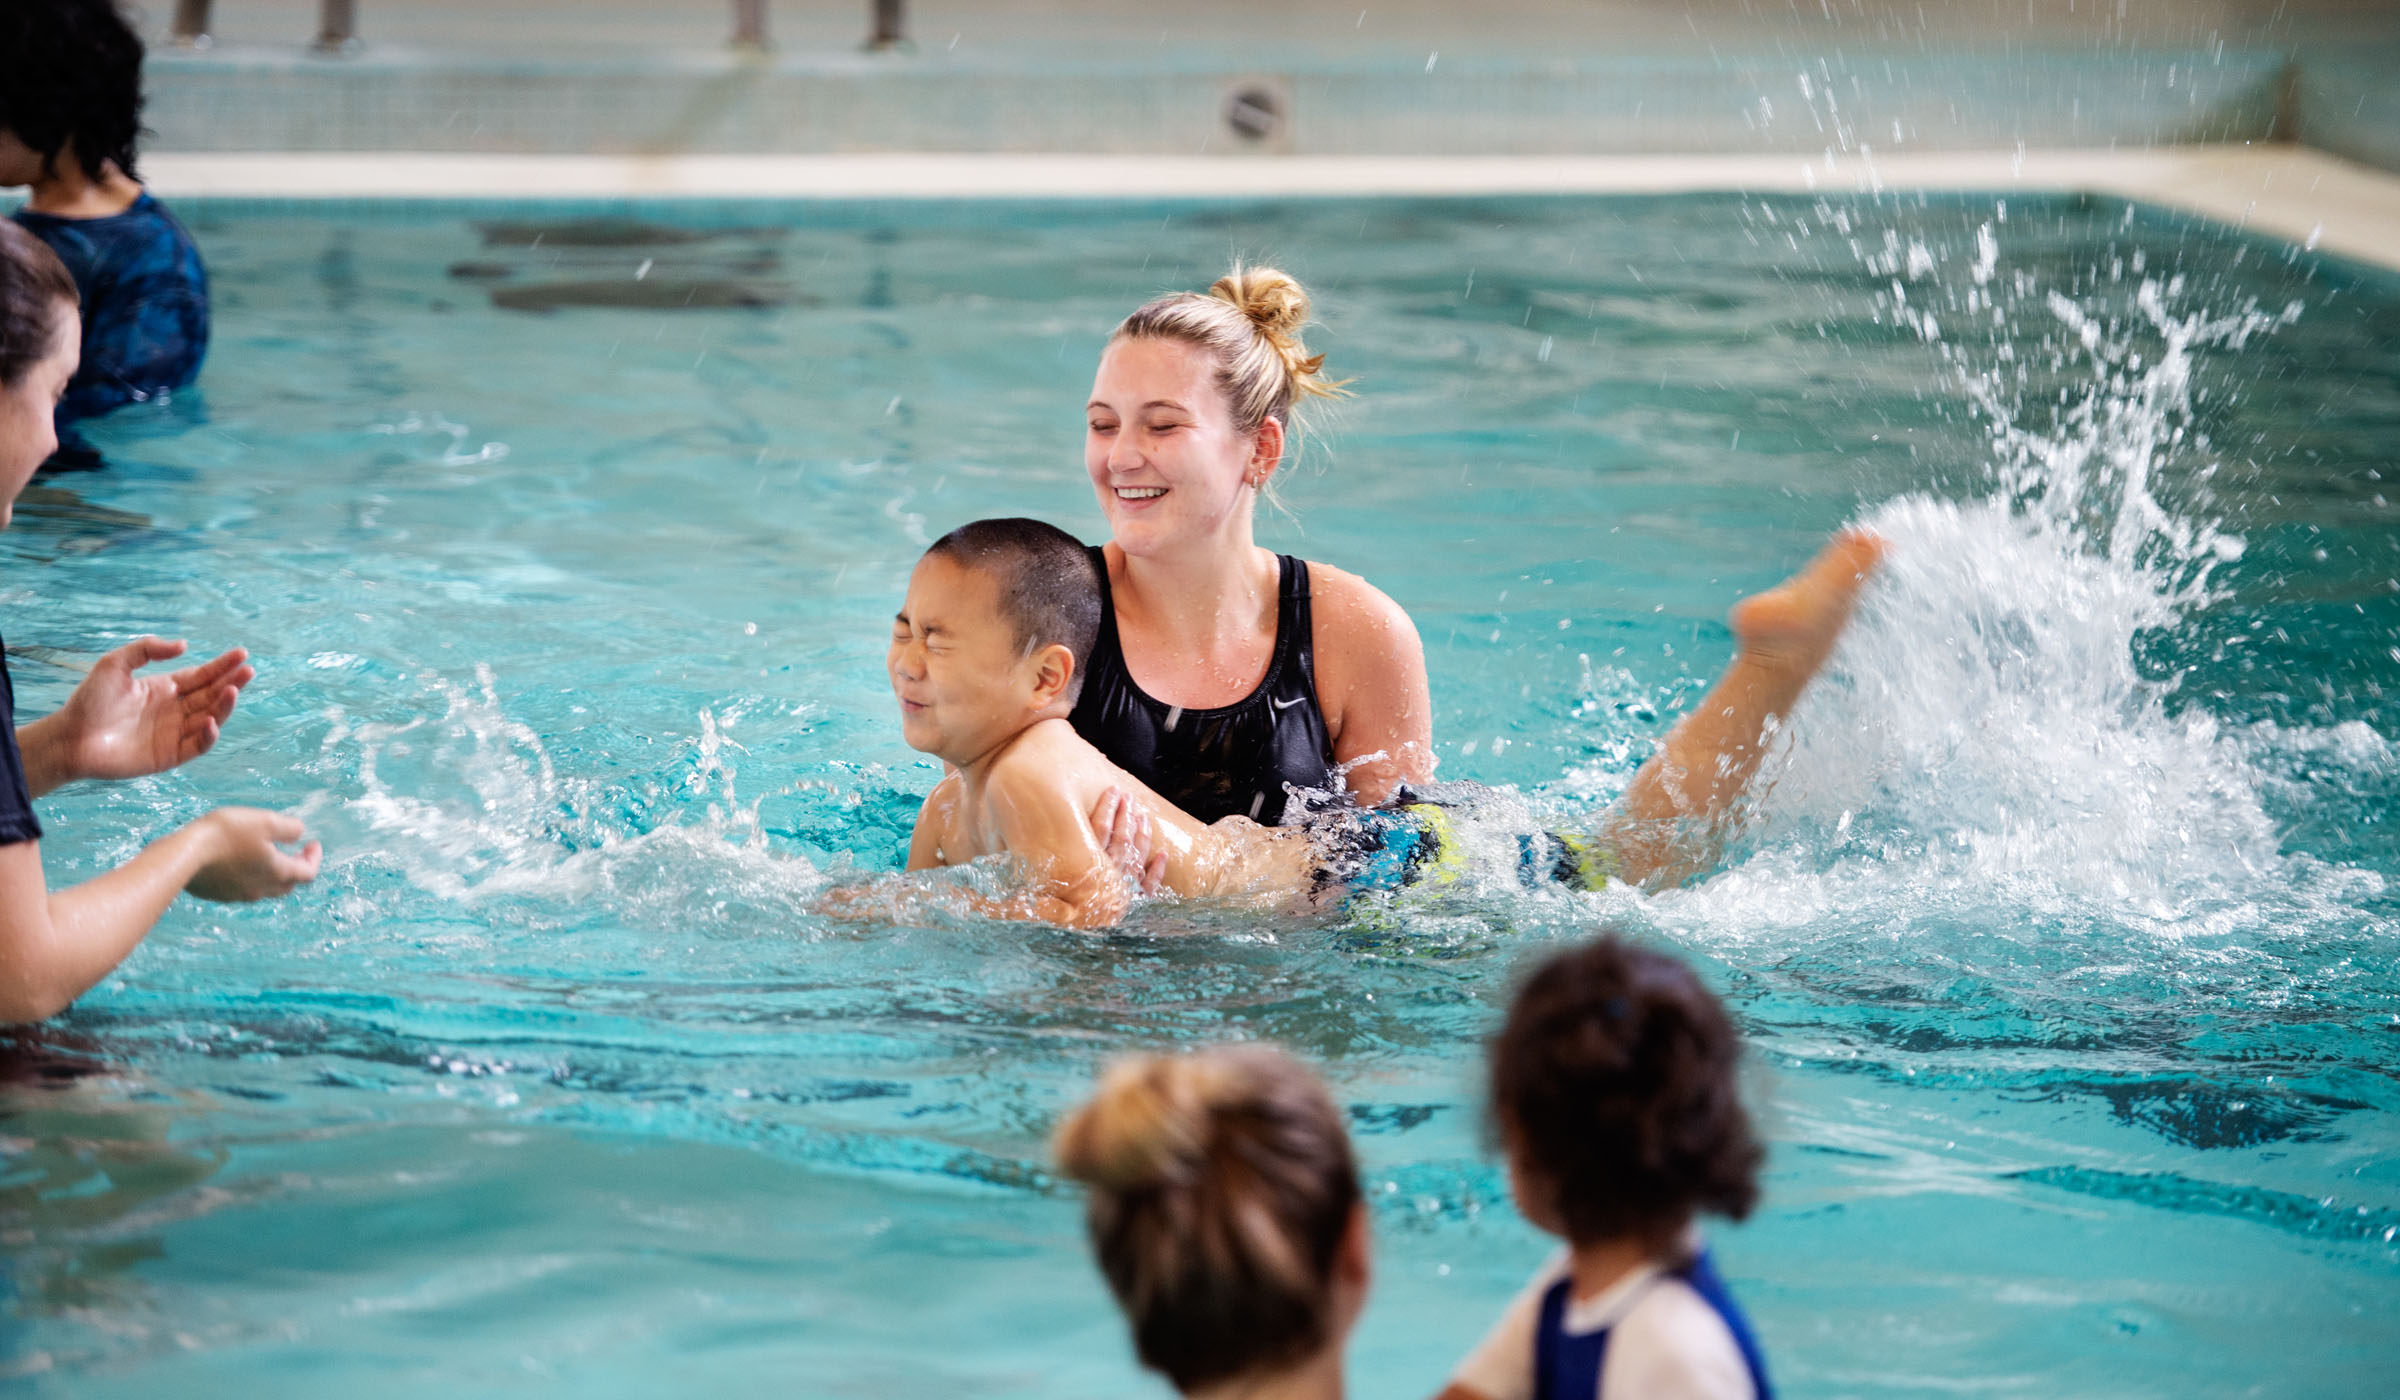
(1254, 113)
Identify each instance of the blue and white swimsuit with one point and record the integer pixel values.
(1664, 1332)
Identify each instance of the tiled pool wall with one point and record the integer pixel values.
(2350, 105)
(1517, 77)
(1567, 105)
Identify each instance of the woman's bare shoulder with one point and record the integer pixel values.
(1357, 620)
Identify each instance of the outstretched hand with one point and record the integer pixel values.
(248, 861)
(120, 725)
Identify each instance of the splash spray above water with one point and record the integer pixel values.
(469, 806)
(1990, 727)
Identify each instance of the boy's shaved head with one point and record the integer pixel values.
(1046, 584)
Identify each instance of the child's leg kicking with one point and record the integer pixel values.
(1674, 816)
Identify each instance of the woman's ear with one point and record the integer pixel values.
(1353, 1271)
(1266, 452)
(1356, 1258)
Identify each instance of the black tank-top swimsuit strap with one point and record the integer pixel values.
(1232, 761)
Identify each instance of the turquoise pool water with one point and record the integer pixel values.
(2065, 936)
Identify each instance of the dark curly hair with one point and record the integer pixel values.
(71, 81)
(1616, 1087)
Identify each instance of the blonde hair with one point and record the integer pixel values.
(1222, 1183)
(1249, 323)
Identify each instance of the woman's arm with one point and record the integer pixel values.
(120, 725)
(1371, 684)
(53, 947)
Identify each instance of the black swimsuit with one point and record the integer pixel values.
(1234, 761)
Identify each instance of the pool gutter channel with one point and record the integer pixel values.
(2291, 192)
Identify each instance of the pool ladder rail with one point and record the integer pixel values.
(337, 26)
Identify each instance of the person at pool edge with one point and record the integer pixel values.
(1224, 1206)
(985, 663)
(55, 945)
(70, 114)
(1224, 677)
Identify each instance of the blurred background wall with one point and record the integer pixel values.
(1384, 77)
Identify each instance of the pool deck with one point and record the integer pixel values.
(2290, 192)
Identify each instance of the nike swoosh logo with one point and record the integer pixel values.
(1286, 704)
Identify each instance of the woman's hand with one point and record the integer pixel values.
(120, 725)
(248, 863)
(1122, 826)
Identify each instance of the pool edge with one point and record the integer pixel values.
(2306, 196)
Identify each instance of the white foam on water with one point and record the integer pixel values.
(1986, 745)
(482, 814)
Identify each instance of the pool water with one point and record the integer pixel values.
(2064, 933)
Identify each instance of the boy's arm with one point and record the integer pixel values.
(925, 841)
(1070, 879)
(892, 895)
(1080, 898)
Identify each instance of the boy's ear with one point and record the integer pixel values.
(1053, 672)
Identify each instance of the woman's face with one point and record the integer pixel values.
(27, 435)
(1160, 445)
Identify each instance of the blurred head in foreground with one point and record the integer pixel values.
(1225, 1212)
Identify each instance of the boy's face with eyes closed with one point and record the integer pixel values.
(964, 685)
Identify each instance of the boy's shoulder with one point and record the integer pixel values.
(1048, 754)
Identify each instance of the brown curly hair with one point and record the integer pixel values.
(1615, 1086)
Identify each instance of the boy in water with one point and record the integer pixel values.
(985, 661)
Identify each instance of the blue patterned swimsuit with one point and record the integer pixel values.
(145, 311)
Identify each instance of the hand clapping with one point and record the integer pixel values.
(121, 725)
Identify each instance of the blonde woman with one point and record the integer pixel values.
(1224, 676)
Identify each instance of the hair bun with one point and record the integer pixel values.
(1273, 300)
(1148, 1125)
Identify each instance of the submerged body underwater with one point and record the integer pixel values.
(2063, 929)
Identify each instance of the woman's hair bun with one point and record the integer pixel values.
(1148, 1125)
(1274, 301)
(1250, 324)
(1222, 1186)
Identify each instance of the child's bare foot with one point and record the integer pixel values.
(1793, 626)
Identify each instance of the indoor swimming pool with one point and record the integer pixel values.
(568, 537)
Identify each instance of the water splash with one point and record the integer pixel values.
(456, 453)
(1996, 732)
(468, 806)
